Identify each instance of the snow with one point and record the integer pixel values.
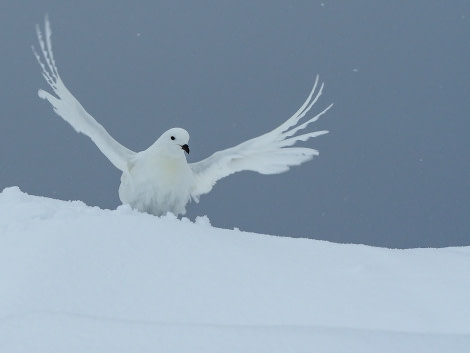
(75, 278)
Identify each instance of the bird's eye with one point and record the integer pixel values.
(172, 137)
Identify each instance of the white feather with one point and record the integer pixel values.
(159, 179)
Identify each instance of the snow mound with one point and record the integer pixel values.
(75, 278)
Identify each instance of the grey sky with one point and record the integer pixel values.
(394, 170)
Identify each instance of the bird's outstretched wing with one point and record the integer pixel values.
(271, 153)
(70, 109)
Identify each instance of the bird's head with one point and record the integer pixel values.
(174, 142)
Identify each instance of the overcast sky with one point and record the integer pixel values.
(394, 171)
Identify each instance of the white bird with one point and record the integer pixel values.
(159, 179)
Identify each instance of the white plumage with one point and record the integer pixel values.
(159, 179)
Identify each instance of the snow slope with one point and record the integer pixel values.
(76, 279)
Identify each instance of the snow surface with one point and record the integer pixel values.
(75, 278)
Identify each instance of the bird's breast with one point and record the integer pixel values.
(157, 187)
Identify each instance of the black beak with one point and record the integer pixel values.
(185, 148)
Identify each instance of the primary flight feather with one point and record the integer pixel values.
(159, 179)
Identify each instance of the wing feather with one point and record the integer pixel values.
(70, 109)
(271, 153)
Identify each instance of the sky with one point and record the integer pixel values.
(392, 172)
(75, 278)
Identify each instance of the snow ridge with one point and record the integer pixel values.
(77, 278)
